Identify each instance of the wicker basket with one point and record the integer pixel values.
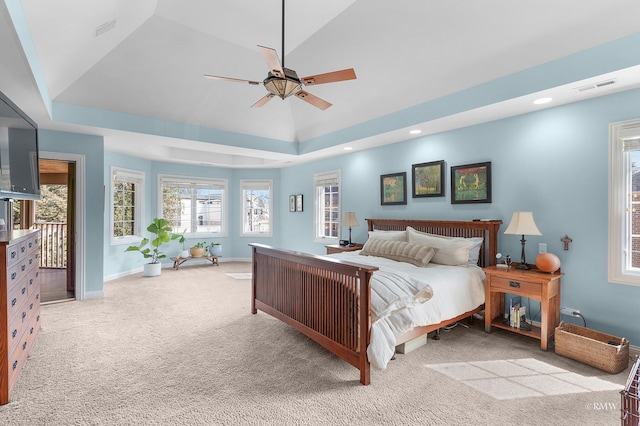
(604, 351)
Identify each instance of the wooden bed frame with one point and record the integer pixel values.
(328, 300)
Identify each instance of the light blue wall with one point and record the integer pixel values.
(118, 263)
(92, 147)
(553, 162)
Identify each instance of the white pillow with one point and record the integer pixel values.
(451, 251)
(389, 235)
(474, 250)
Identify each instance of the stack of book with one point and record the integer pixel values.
(517, 313)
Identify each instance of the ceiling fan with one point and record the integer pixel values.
(284, 82)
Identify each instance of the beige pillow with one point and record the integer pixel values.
(400, 251)
(451, 251)
(389, 235)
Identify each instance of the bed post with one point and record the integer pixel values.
(365, 328)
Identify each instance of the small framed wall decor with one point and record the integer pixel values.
(299, 202)
(393, 189)
(292, 203)
(428, 179)
(471, 183)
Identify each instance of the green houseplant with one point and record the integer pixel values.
(198, 249)
(162, 231)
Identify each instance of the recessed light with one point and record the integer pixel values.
(542, 101)
(347, 148)
(415, 131)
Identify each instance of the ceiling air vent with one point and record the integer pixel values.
(104, 28)
(596, 85)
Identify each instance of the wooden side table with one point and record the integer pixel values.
(336, 248)
(532, 283)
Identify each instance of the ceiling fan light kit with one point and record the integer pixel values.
(283, 87)
(284, 82)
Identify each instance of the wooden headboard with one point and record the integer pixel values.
(487, 229)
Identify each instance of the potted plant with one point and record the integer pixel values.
(198, 249)
(184, 253)
(161, 229)
(215, 249)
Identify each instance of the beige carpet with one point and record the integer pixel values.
(184, 349)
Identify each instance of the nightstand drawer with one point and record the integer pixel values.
(517, 286)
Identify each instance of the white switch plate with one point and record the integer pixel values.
(542, 248)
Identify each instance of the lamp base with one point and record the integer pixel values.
(522, 266)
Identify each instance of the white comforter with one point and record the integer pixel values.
(404, 296)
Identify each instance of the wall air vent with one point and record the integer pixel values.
(104, 28)
(596, 85)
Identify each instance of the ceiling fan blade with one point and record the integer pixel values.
(273, 62)
(263, 100)
(330, 77)
(313, 100)
(215, 77)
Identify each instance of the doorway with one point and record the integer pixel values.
(54, 216)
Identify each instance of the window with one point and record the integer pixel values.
(255, 196)
(194, 205)
(327, 205)
(127, 190)
(624, 202)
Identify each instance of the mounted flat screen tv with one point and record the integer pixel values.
(19, 161)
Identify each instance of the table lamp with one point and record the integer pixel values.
(350, 220)
(522, 223)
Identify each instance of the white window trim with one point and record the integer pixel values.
(248, 183)
(139, 203)
(225, 203)
(618, 194)
(316, 208)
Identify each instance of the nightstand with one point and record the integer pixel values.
(335, 248)
(531, 283)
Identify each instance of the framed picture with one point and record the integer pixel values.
(471, 183)
(393, 189)
(428, 179)
(299, 202)
(292, 203)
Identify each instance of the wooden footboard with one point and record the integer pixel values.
(326, 299)
(329, 300)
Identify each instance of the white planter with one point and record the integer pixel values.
(152, 269)
(215, 250)
(184, 254)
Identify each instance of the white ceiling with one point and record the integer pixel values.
(407, 54)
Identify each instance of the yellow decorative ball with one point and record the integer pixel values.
(548, 262)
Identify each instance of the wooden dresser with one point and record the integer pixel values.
(19, 303)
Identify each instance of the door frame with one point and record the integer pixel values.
(79, 159)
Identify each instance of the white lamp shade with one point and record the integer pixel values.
(350, 219)
(522, 223)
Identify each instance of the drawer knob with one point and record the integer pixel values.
(514, 284)
(31, 306)
(23, 267)
(24, 315)
(15, 364)
(31, 330)
(22, 249)
(24, 289)
(14, 333)
(24, 346)
(30, 281)
(13, 275)
(14, 254)
(14, 301)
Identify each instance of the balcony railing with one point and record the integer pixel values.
(53, 244)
